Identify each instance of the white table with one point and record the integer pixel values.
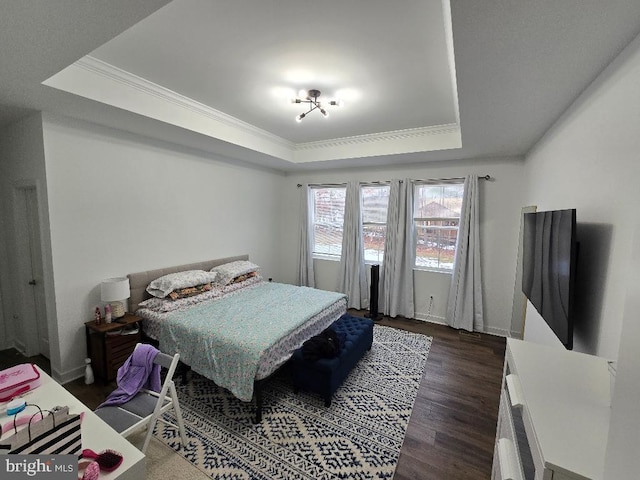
(96, 434)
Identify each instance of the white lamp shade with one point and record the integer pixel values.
(114, 289)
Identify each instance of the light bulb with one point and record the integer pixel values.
(324, 112)
(336, 103)
(300, 117)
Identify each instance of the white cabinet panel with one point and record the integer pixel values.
(554, 414)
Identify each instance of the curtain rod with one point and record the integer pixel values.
(434, 180)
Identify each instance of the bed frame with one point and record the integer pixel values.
(138, 283)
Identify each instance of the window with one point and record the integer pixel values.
(437, 217)
(375, 202)
(328, 219)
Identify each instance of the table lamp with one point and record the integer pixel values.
(114, 291)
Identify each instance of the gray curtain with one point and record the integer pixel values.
(352, 280)
(464, 309)
(396, 274)
(306, 276)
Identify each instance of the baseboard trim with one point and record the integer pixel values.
(69, 376)
(498, 332)
(430, 318)
(20, 347)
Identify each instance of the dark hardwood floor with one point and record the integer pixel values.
(452, 428)
(453, 425)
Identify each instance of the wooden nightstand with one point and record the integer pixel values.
(108, 348)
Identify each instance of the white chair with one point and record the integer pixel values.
(147, 407)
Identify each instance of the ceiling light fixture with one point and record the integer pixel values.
(314, 104)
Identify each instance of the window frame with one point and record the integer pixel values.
(416, 220)
(313, 223)
(416, 185)
(379, 185)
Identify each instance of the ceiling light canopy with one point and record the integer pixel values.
(312, 99)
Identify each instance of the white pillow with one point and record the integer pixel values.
(229, 271)
(163, 286)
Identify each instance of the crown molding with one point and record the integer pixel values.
(396, 135)
(99, 67)
(93, 78)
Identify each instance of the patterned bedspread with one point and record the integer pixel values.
(224, 339)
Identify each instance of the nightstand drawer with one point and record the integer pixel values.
(119, 347)
(121, 342)
(108, 348)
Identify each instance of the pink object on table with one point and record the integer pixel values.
(17, 380)
(91, 470)
(108, 460)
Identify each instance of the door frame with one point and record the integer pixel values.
(29, 342)
(519, 300)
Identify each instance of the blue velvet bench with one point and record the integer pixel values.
(325, 375)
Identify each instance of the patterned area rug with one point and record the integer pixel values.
(359, 436)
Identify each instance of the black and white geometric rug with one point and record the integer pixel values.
(358, 437)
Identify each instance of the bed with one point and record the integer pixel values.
(238, 334)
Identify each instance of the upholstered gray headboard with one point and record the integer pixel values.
(138, 281)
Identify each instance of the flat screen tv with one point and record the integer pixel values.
(549, 267)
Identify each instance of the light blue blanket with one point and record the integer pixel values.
(224, 339)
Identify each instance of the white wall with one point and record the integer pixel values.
(622, 459)
(500, 204)
(590, 161)
(120, 203)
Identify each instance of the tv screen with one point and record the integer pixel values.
(549, 264)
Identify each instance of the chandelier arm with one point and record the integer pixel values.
(312, 100)
(311, 110)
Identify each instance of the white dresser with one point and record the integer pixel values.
(554, 414)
